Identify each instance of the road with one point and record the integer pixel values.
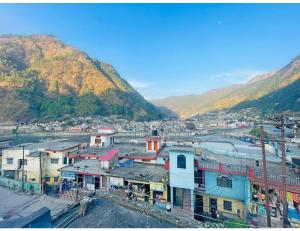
(106, 214)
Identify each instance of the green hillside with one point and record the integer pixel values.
(43, 78)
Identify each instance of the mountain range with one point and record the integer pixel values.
(43, 78)
(267, 93)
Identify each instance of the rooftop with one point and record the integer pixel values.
(87, 167)
(47, 146)
(139, 171)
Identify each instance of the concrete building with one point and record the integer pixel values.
(41, 160)
(104, 137)
(181, 174)
(89, 170)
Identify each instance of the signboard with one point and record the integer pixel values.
(156, 186)
(68, 175)
(261, 210)
(114, 181)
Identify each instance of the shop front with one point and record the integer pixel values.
(257, 205)
(158, 193)
(138, 190)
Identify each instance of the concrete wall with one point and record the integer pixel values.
(236, 204)
(17, 185)
(182, 178)
(31, 170)
(106, 141)
(240, 187)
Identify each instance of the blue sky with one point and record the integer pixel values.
(170, 49)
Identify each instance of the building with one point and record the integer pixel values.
(104, 137)
(257, 204)
(89, 168)
(153, 142)
(140, 181)
(225, 190)
(37, 161)
(181, 175)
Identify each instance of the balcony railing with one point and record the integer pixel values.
(276, 178)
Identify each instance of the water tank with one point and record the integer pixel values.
(154, 133)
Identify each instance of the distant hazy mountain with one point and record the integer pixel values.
(243, 95)
(41, 77)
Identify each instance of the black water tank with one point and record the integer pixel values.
(154, 133)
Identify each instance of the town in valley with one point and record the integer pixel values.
(130, 115)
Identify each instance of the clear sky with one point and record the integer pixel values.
(170, 49)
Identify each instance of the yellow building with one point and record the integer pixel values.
(37, 161)
(227, 207)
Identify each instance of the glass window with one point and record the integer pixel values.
(9, 160)
(181, 162)
(54, 161)
(65, 160)
(224, 181)
(227, 205)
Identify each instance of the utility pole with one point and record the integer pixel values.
(283, 168)
(23, 168)
(262, 140)
(77, 189)
(41, 172)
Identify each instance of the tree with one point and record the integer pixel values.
(89, 104)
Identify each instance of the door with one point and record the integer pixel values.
(149, 145)
(213, 207)
(198, 207)
(155, 146)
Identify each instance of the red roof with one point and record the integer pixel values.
(106, 128)
(110, 154)
(153, 138)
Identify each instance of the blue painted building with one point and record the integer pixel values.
(227, 191)
(181, 173)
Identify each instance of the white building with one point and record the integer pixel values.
(104, 137)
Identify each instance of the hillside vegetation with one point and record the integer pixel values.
(43, 78)
(245, 95)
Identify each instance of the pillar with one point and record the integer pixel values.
(151, 199)
(101, 182)
(192, 200)
(171, 194)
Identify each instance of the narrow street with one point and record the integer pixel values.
(106, 214)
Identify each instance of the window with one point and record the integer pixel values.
(21, 162)
(227, 205)
(9, 160)
(54, 161)
(65, 160)
(224, 181)
(181, 162)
